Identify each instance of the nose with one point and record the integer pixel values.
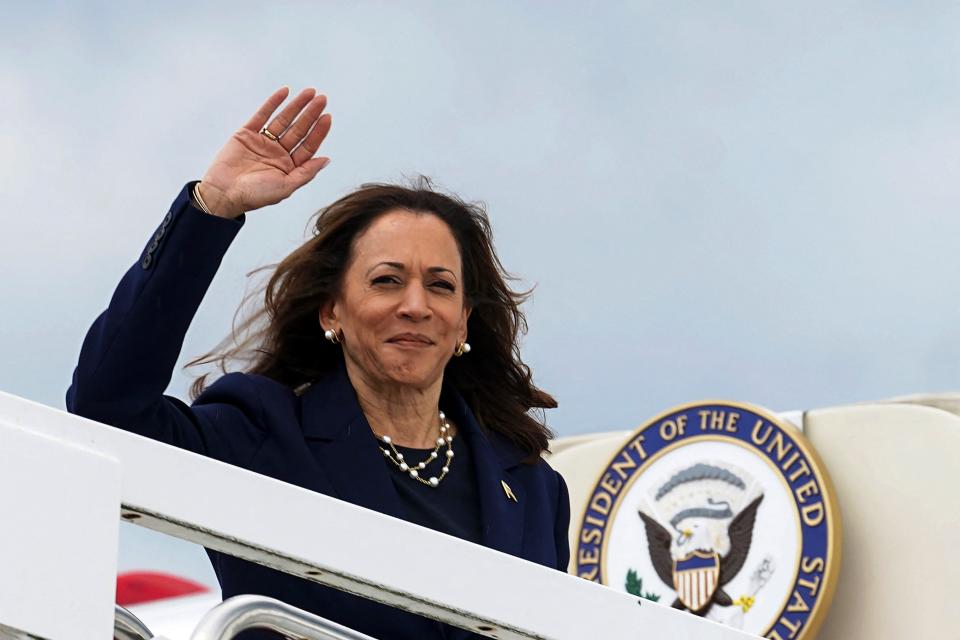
(414, 305)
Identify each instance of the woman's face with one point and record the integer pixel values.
(401, 306)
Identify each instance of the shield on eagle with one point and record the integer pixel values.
(695, 578)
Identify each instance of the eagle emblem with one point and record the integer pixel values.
(717, 508)
(709, 543)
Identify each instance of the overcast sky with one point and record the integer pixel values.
(753, 201)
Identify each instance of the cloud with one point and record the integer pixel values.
(685, 186)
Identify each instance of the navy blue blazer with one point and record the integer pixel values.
(318, 439)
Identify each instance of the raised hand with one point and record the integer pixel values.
(262, 164)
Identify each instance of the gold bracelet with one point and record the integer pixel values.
(196, 196)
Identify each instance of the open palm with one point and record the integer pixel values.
(261, 164)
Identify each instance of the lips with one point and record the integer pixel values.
(411, 340)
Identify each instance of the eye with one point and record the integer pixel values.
(386, 280)
(443, 284)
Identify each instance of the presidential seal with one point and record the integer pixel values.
(720, 509)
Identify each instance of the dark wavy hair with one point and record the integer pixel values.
(282, 338)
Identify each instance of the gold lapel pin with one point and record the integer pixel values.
(507, 490)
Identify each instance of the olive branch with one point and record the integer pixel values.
(634, 585)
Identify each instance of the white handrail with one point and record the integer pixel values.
(331, 542)
(240, 613)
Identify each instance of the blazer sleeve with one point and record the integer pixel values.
(561, 530)
(129, 354)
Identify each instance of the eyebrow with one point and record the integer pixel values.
(401, 267)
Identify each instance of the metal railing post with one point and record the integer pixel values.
(127, 626)
(240, 613)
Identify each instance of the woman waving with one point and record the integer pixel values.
(383, 370)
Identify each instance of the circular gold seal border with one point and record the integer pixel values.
(821, 604)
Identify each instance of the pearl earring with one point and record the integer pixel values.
(332, 336)
(462, 348)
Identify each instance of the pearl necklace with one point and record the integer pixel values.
(413, 471)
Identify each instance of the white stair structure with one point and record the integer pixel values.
(66, 481)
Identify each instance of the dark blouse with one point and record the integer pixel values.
(453, 506)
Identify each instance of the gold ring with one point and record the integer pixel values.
(267, 133)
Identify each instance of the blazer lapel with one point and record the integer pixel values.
(502, 517)
(340, 438)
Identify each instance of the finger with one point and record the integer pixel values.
(286, 117)
(307, 118)
(312, 142)
(256, 122)
(305, 173)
